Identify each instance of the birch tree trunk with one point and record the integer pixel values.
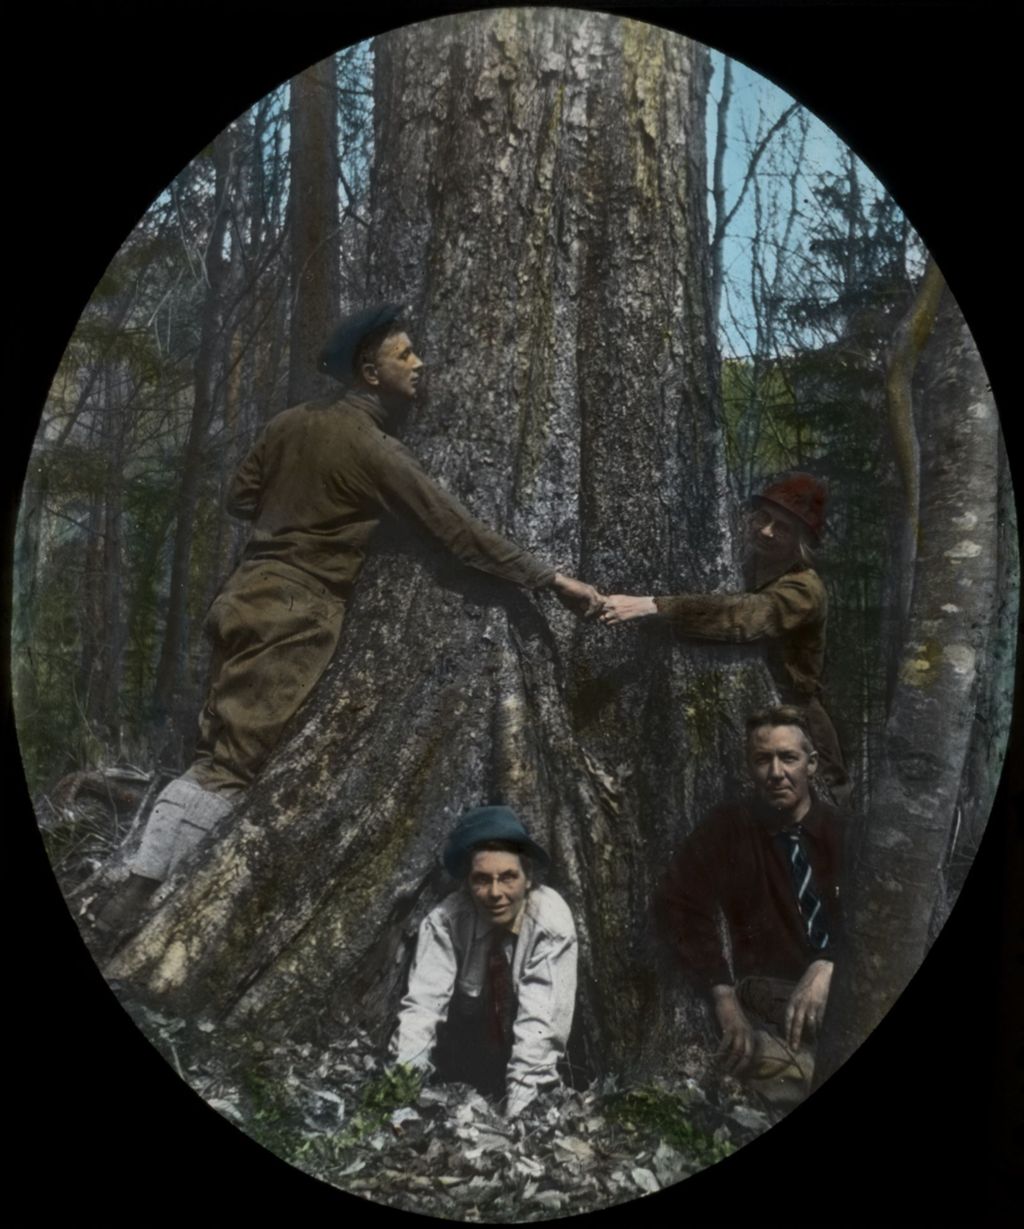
(995, 700)
(896, 877)
(539, 200)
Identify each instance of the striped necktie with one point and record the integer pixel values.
(808, 900)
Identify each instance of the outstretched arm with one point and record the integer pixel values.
(789, 602)
(581, 598)
(394, 479)
(792, 601)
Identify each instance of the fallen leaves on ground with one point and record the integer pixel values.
(338, 1113)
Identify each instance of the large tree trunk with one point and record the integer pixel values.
(896, 877)
(539, 200)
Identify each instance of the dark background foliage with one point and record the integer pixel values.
(921, 93)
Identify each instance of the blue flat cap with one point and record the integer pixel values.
(337, 358)
(486, 824)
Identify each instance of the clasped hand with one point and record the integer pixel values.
(621, 607)
(581, 598)
(586, 601)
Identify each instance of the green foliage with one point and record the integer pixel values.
(275, 1122)
(272, 1120)
(57, 731)
(761, 431)
(394, 1088)
(813, 397)
(53, 733)
(657, 1113)
(857, 274)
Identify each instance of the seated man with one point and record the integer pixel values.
(493, 984)
(769, 867)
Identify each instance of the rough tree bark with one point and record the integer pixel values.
(895, 879)
(995, 700)
(538, 198)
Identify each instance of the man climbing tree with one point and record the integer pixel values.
(314, 485)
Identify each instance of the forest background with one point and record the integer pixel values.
(947, 258)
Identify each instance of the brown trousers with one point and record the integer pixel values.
(274, 630)
(781, 1075)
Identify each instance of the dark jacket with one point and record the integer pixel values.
(734, 862)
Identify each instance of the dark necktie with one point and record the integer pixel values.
(500, 990)
(808, 900)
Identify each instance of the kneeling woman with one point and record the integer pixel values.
(493, 984)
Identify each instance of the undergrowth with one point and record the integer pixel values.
(651, 1111)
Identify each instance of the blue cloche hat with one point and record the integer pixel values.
(337, 358)
(487, 824)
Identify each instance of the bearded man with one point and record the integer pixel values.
(785, 607)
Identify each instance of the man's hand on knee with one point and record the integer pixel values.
(737, 1033)
(806, 1007)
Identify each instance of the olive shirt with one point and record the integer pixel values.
(789, 614)
(791, 610)
(315, 484)
(319, 476)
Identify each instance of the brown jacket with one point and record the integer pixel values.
(790, 611)
(317, 480)
(789, 614)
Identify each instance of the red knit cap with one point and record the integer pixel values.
(802, 495)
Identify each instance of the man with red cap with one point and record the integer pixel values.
(315, 485)
(785, 606)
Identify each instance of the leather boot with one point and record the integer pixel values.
(119, 916)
